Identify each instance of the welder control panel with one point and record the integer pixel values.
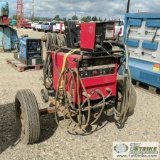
(34, 46)
(96, 67)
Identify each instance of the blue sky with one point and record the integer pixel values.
(100, 8)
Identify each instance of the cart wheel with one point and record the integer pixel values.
(44, 95)
(27, 115)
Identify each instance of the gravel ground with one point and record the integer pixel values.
(55, 143)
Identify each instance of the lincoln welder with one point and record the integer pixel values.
(82, 82)
(29, 50)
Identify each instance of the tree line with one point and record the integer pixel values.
(58, 18)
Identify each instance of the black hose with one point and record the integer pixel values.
(47, 71)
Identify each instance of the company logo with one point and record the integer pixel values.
(136, 150)
(119, 148)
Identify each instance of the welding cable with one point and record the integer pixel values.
(47, 70)
(78, 97)
(75, 70)
(61, 40)
(68, 104)
(48, 42)
(72, 71)
(58, 41)
(120, 116)
(65, 96)
(51, 44)
(54, 42)
(89, 109)
(56, 96)
(127, 97)
(100, 93)
(89, 106)
(88, 100)
(59, 85)
(126, 85)
(78, 124)
(103, 105)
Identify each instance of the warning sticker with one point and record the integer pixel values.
(156, 67)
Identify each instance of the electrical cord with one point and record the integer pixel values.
(47, 71)
(55, 41)
(120, 116)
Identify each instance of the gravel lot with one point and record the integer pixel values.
(55, 143)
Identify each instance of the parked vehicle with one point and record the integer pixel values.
(119, 27)
(47, 26)
(114, 29)
(25, 24)
(56, 27)
(38, 26)
(33, 26)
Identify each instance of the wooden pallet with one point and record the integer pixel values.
(22, 67)
(146, 87)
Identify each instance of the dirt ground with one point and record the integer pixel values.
(55, 143)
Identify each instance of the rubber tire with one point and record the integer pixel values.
(27, 101)
(133, 95)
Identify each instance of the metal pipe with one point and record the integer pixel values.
(128, 6)
(32, 10)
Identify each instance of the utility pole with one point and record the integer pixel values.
(32, 10)
(128, 5)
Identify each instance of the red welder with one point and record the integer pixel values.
(84, 74)
(82, 82)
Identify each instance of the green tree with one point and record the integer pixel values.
(94, 18)
(74, 17)
(87, 19)
(57, 18)
(83, 19)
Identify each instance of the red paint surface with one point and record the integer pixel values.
(88, 35)
(5, 20)
(100, 82)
